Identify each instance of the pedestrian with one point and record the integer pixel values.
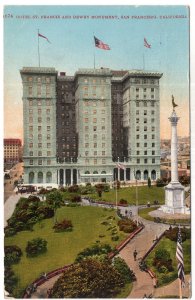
(135, 254)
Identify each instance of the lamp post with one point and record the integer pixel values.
(135, 175)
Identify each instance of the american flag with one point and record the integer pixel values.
(179, 256)
(44, 37)
(99, 44)
(120, 166)
(146, 44)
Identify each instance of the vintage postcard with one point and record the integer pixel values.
(97, 152)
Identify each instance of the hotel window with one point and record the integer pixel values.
(145, 112)
(153, 160)
(86, 145)
(86, 161)
(86, 103)
(137, 120)
(39, 136)
(86, 112)
(95, 145)
(137, 144)
(95, 161)
(39, 162)
(137, 136)
(145, 120)
(152, 104)
(144, 96)
(145, 104)
(103, 153)
(152, 89)
(86, 153)
(30, 111)
(38, 102)
(137, 112)
(48, 102)
(138, 160)
(94, 120)
(103, 127)
(86, 120)
(48, 119)
(145, 160)
(39, 145)
(38, 90)
(145, 90)
(152, 120)
(94, 128)
(31, 153)
(85, 80)
(152, 81)
(153, 128)
(145, 145)
(48, 161)
(39, 111)
(39, 119)
(48, 111)
(86, 128)
(48, 128)
(152, 112)
(30, 102)
(145, 136)
(30, 145)
(103, 111)
(152, 96)
(85, 88)
(38, 79)
(31, 162)
(30, 79)
(137, 96)
(39, 153)
(48, 145)
(39, 128)
(47, 90)
(103, 161)
(153, 152)
(145, 128)
(30, 119)
(95, 136)
(95, 153)
(145, 152)
(103, 120)
(137, 128)
(145, 80)
(48, 80)
(30, 90)
(48, 137)
(137, 89)
(137, 104)
(137, 152)
(103, 145)
(48, 153)
(153, 136)
(153, 144)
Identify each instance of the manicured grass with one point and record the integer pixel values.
(62, 247)
(144, 213)
(145, 194)
(125, 291)
(170, 246)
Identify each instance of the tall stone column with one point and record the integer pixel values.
(174, 191)
(71, 176)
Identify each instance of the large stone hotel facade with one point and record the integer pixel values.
(76, 128)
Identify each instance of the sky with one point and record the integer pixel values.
(72, 47)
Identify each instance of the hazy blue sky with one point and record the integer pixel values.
(72, 47)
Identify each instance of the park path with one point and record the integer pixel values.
(141, 242)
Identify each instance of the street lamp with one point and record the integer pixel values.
(135, 176)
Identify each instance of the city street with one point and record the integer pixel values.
(15, 174)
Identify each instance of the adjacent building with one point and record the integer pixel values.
(12, 151)
(77, 128)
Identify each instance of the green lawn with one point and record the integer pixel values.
(170, 246)
(62, 247)
(125, 291)
(144, 213)
(145, 194)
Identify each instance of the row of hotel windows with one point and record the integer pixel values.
(95, 161)
(145, 160)
(145, 120)
(39, 119)
(94, 128)
(94, 103)
(95, 136)
(145, 128)
(40, 79)
(94, 112)
(145, 136)
(31, 145)
(40, 102)
(145, 112)
(145, 96)
(144, 81)
(144, 89)
(39, 153)
(40, 162)
(86, 120)
(95, 145)
(40, 111)
(103, 153)
(145, 145)
(39, 90)
(145, 104)
(48, 137)
(39, 128)
(145, 152)
(87, 80)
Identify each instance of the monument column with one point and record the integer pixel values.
(174, 164)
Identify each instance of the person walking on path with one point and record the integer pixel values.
(135, 254)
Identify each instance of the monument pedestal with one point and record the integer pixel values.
(174, 199)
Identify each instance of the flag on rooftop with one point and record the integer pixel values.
(179, 256)
(40, 35)
(99, 44)
(146, 44)
(120, 166)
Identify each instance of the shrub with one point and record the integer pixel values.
(45, 210)
(123, 201)
(74, 189)
(36, 247)
(10, 279)
(172, 234)
(76, 199)
(63, 226)
(126, 273)
(115, 238)
(162, 254)
(9, 231)
(96, 249)
(127, 225)
(88, 279)
(160, 183)
(12, 255)
(162, 261)
(54, 198)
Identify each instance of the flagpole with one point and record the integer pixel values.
(116, 193)
(143, 62)
(38, 49)
(180, 290)
(93, 52)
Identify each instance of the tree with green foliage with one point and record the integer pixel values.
(126, 273)
(55, 200)
(12, 255)
(97, 249)
(88, 279)
(36, 246)
(149, 182)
